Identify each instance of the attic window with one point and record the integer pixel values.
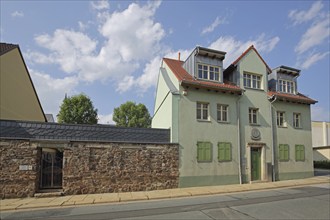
(286, 86)
(208, 72)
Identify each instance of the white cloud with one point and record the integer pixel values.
(100, 5)
(130, 38)
(311, 59)
(51, 91)
(234, 48)
(105, 119)
(299, 17)
(17, 14)
(215, 24)
(315, 35)
(320, 114)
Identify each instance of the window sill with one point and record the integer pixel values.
(200, 120)
(224, 122)
(204, 161)
(283, 160)
(257, 125)
(299, 128)
(282, 126)
(224, 161)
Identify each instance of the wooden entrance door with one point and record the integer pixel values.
(255, 164)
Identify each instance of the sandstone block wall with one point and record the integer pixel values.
(90, 167)
(19, 162)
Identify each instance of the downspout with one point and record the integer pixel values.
(239, 138)
(273, 139)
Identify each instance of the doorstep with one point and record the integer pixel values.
(49, 193)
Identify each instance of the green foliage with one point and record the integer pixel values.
(325, 164)
(130, 114)
(77, 109)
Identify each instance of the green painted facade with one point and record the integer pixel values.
(176, 107)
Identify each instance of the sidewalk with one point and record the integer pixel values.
(88, 199)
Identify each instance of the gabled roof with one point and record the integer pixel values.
(186, 79)
(4, 48)
(299, 98)
(247, 51)
(25, 130)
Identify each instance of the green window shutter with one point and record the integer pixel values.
(283, 152)
(227, 151)
(300, 152)
(286, 152)
(204, 151)
(199, 151)
(221, 151)
(207, 151)
(224, 151)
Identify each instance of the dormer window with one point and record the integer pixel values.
(286, 86)
(208, 72)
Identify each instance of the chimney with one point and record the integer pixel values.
(179, 54)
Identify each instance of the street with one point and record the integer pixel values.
(304, 202)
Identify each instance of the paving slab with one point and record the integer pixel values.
(175, 193)
(158, 194)
(107, 198)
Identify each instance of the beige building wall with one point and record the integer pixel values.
(18, 99)
(321, 140)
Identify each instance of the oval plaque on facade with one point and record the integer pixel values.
(255, 134)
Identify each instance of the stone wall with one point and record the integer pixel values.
(19, 162)
(91, 167)
(100, 168)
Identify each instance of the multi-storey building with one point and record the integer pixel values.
(241, 124)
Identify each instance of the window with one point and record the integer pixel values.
(284, 152)
(253, 115)
(202, 111)
(222, 113)
(252, 81)
(224, 151)
(281, 119)
(208, 72)
(296, 120)
(286, 86)
(204, 151)
(300, 152)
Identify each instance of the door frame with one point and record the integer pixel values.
(262, 147)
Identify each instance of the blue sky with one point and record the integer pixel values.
(111, 50)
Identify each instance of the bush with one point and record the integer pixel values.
(324, 164)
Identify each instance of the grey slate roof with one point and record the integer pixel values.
(4, 47)
(24, 130)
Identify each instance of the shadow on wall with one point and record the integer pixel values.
(321, 154)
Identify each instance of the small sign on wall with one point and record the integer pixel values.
(25, 167)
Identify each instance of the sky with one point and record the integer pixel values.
(112, 50)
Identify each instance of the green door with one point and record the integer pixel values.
(255, 163)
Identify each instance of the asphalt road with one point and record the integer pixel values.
(308, 202)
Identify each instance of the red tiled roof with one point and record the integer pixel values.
(300, 98)
(245, 52)
(186, 79)
(4, 48)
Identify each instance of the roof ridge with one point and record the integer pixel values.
(5, 47)
(246, 51)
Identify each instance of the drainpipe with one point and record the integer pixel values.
(239, 138)
(273, 139)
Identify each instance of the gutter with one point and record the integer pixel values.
(239, 138)
(273, 139)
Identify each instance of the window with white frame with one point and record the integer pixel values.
(286, 86)
(253, 115)
(208, 72)
(297, 120)
(281, 122)
(252, 81)
(202, 111)
(222, 113)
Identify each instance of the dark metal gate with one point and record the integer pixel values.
(51, 169)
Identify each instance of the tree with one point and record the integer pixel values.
(130, 114)
(77, 109)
